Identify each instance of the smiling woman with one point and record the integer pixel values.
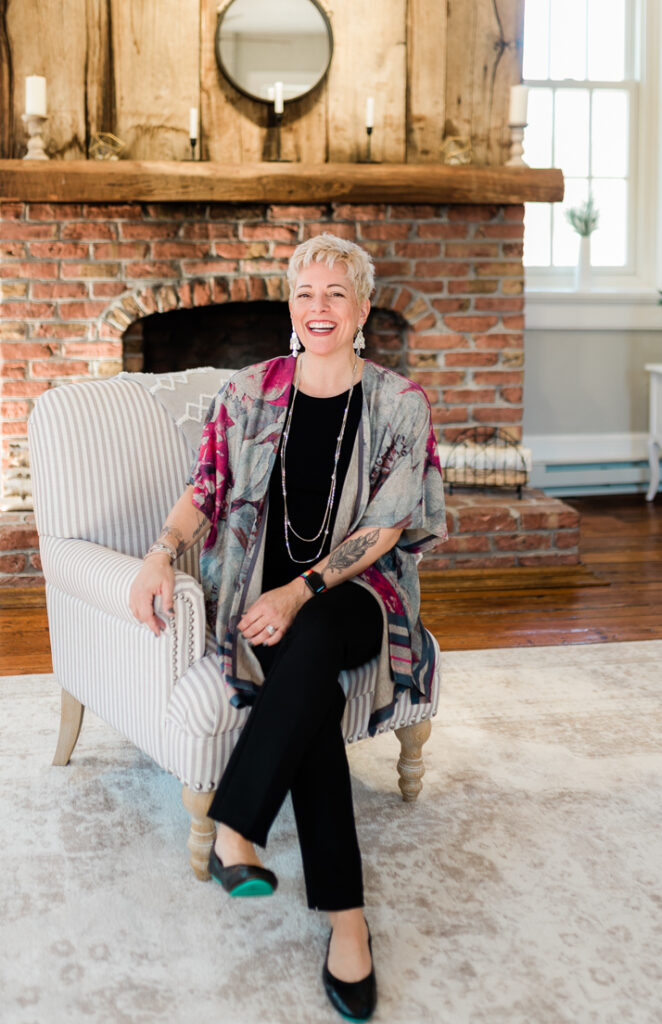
(329, 306)
(316, 486)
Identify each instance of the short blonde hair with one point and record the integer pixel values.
(330, 249)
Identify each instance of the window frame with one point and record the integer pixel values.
(641, 275)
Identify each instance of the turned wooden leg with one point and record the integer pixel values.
(71, 719)
(203, 830)
(410, 764)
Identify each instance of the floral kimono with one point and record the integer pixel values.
(393, 481)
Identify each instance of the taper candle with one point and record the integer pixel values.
(35, 95)
(278, 98)
(519, 97)
(370, 112)
(193, 124)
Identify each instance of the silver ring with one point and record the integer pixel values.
(270, 630)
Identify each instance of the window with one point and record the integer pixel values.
(580, 63)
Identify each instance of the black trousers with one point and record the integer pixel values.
(292, 741)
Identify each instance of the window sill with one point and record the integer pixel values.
(635, 309)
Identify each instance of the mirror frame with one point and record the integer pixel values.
(259, 99)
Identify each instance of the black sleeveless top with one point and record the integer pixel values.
(311, 448)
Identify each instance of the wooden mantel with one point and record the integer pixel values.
(128, 180)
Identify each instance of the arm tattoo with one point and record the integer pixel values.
(351, 551)
(169, 533)
(201, 528)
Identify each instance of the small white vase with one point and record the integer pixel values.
(583, 268)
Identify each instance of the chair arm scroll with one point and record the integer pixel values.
(101, 577)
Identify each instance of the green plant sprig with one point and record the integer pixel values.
(584, 218)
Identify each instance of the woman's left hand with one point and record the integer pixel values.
(276, 609)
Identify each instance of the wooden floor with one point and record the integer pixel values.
(615, 595)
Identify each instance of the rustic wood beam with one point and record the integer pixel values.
(132, 180)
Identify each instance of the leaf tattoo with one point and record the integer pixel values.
(351, 551)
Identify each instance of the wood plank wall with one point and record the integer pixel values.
(436, 68)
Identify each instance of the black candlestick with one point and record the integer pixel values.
(368, 154)
(193, 142)
(277, 122)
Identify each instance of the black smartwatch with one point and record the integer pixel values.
(314, 581)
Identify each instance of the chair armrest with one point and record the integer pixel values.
(102, 578)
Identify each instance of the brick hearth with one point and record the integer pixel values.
(76, 276)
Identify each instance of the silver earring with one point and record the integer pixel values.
(295, 344)
(359, 340)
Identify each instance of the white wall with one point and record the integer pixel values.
(586, 408)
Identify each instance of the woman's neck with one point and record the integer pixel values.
(322, 377)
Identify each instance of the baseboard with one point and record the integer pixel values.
(566, 465)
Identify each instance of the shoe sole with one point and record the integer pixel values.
(251, 887)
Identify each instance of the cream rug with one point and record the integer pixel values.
(524, 887)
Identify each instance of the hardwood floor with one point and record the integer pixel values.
(615, 595)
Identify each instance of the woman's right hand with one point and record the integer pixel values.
(156, 577)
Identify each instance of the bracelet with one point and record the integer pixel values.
(159, 546)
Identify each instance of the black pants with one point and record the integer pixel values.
(292, 741)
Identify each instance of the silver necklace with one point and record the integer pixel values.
(326, 520)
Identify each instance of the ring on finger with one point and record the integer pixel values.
(270, 630)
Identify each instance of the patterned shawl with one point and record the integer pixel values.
(394, 480)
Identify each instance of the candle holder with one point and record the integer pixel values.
(193, 144)
(279, 158)
(516, 146)
(368, 148)
(35, 124)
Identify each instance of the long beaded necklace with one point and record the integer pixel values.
(326, 520)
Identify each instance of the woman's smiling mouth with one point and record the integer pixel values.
(320, 326)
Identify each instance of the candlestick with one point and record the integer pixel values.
(516, 146)
(35, 124)
(35, 95)
(278, 98)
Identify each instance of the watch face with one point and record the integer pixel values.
(315, 582)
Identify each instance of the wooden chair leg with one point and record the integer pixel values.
(203, 830)
(410, 765)
(71, 720)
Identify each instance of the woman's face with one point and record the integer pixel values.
(324, 309)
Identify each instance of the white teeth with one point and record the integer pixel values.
(321, 327)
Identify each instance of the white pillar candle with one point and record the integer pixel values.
(519, 97)
(193, 123)
(370, 112)
(278, 98)
(35, 95)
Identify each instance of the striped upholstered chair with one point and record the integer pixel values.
(109, 459)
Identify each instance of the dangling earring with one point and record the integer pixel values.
(359, 340)
(295, 344)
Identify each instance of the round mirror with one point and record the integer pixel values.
(267, 48)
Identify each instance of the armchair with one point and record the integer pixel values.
(109, 459)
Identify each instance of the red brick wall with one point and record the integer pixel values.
(74, 276)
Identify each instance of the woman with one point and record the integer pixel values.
(316, 484)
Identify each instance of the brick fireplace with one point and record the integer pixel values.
(78, 279)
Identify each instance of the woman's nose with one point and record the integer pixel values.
(320, 302)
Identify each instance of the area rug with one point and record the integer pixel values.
(523, 887)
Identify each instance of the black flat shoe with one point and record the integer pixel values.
(242, 879)
(354, 1000)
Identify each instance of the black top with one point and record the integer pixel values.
(311, 448)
